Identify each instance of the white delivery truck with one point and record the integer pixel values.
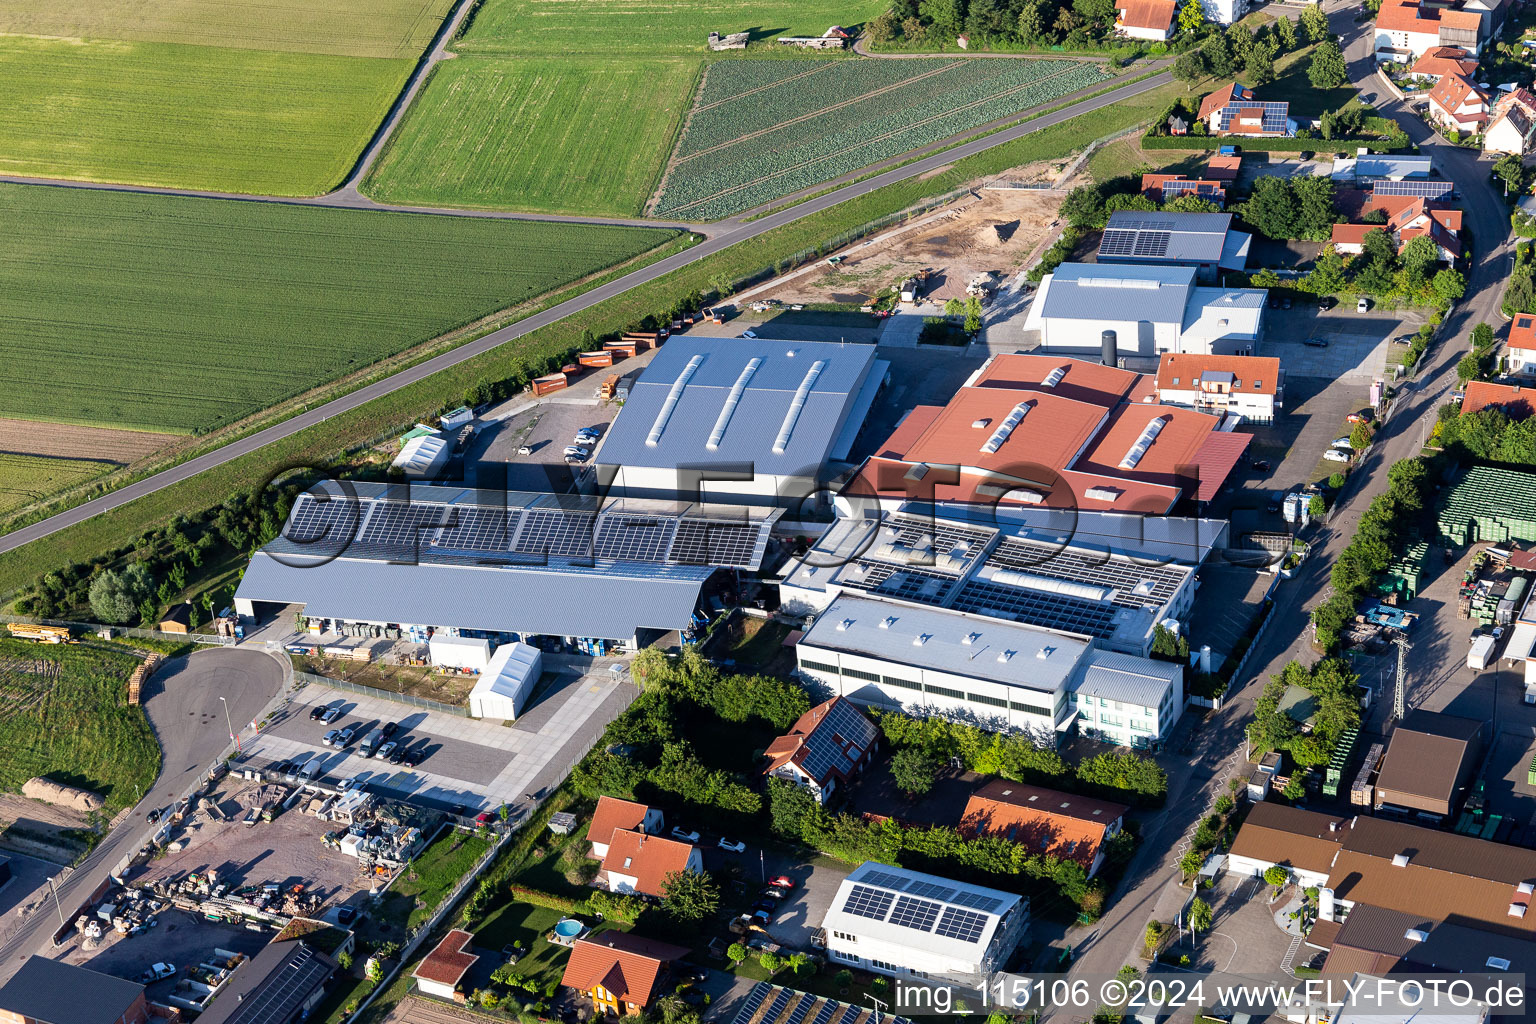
(1481, 654)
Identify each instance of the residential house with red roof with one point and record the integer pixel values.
(1162, 187)
(1439, 61)
(1458, 105)
(621, 973)
(1407, 29)
(1517, 401)
(613, 814)
(1512, 125)
(825, 748)
(1410, 217)
(640, 863)
(440, 973)
(1223, 166)
(1234, 110)
(1250, 386)
(1520, 348)
(1146, 19)
(1047, 821)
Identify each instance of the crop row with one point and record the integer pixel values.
(730, 78)
(779, 162)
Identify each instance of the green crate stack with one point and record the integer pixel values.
(1342, 752)
(1492, 505)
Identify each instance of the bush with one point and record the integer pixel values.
(547, 900)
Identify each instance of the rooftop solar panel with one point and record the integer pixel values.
(916, 914)
(977, 901)
(932, 891)
(1425, 187)
(885, 880)
(866, 902)
(964, 925)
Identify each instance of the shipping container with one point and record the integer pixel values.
(1481, 654)
(626, 349)
(545, 385)
(595, 359)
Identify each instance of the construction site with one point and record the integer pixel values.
(990, 233)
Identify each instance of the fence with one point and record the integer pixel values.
(373, 691)
(148, 634)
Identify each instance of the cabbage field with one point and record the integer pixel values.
(763, 129)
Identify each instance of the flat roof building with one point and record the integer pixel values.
(1204, 241)
(895, 921)
(280, 985)
(497, 564)
(1050, 431)
(781, 413)
(47, 991)
(1430, 759)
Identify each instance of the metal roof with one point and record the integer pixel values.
(920, 911)
(778, 405)
(941, 640)
(272, 987)
(1387, 166)
(59, 993)
(1092, 291)
(1125, 678)
(606, 600)
(1135, 235)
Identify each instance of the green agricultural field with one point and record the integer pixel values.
(179, 314)
(64, 715)
(198, 117)
(765, 129)
(555, 135)
(646, 27)
(375, 28)
(25, 478)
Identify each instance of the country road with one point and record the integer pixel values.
(1116, 939)
(729, 234)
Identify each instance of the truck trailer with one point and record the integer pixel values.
(1481, 654)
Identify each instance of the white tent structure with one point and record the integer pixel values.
(447, 651)
(505, 685)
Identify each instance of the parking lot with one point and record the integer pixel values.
(26, 893)
(491, 459)
(1357, 342)
(477, 764)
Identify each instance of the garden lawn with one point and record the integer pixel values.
(178, 314)
(765, 129)
(1292, 85)
(198, 117)
(1126, 157)
(357, 28)
(26, 478)
(645, 27)
(555, 135)
(64, 715)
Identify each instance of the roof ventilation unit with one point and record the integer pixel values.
(842, 627)
(921, 639)
(1497, 963)
(1045, 652)
(1005, 656)
(980, 424)
(1013, 419)
(1517, 910)
(888, 622)
(665, 412)
(1525, 888)
(970, 638)
(1415, 935)
(1148, 435)
(1054, 377)
(1399, 860)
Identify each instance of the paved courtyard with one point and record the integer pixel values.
(478, 764)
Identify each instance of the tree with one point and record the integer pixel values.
(115, 597)
(973, 314)
(798, 962)
(1277, 875)
(953, 307)
(1360, 437)
(737, 953)
(1336, 481)
(1482, 336)
(1449, 285)
(946, 16)
(1169, 646)
(1271, 208)
(771, 962)
(1327, 69)
(1295, 789)
(1191, 17)
(1030, 27)
(1317, 507)
(1190, 67)
(1199, 915)
(843, 978)
(1260, 66)
(1218, 56)
(689, 895)
(1314, 23)
(1327, 276)
(1470, 368)
(883, 28)
(1314, 198)
(1285, 34)
(914, 771)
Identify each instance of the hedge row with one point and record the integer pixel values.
(1275, 145)
(547, 900)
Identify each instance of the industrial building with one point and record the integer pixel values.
(1053, 432)
(281, 985)
(1204, 241)
(1430, 760)
(412, 561)
(47, 991)
(894, 921)
(1128, 311)
(740, 420)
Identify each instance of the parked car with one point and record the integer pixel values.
(330, 738)
(1363, 306)
(414, 757)
(678, 832)
(525, 450)
(587, 435)
(397, 755)
(1364, 416)
(344, 738)
(1334, 455)
(153, 816)
(1326, 303)
(485, 819)
(773, 892)
(350, 783)
(1344, 442)
(331, 713)
(387, 751)
(768, 907)
(749, 334)
(1316, 342)
(1261, 466)
(782, 882)
(576, 452)
(158, 971)
(732, 847)
(316, 712)
(389, 729)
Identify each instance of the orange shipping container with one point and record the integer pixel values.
(544, 385)
(622, 348)
(604, 358)
(610, 383)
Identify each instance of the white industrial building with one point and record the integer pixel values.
(1122, 699)
(1204, 241)
(740, 420)
(898, 922)
(1142, 311)
(507, 682)
(413, 561)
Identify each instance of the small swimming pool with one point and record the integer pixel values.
(569, 928)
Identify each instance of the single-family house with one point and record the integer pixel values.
(825, 748)
(1407, 29)
(613, 814)
(1520, 348)
(1516, 401)
(621, 973)
(1047, 821)
(1233, 110)
(640, 863)
(1439, 61)
(1458, 105)
(1146, 19)
(1408, 218)
(1162, 187)
(440, 972)
(1512, 125)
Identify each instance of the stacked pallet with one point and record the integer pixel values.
(143, 672)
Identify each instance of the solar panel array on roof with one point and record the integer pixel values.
(1273, 113)
(827, 745)
(864, 901)
(965, 925)
(1116, 242)
(1426, 187)
(921, 905)
(464, 527)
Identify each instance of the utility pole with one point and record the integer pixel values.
(233, 737)
(56, 906)
(1400, 693)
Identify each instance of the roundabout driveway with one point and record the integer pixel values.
(182, 703)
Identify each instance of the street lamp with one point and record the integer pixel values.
(231, 726)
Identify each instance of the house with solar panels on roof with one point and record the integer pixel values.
(1204, 241)
(825, 748)
(740, 421)
(904, 923)
(1233, 110)
(412, 561)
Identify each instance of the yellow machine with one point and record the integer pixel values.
(41, 634)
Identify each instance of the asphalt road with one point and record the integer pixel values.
(1113, 941)
(730, 235)
(182, 702)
